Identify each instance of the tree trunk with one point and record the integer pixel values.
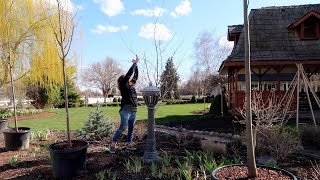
(105, 95)
(13, 98)
(252, 172)
(66, 101)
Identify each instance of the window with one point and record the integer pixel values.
(310, 28)
(307, 26)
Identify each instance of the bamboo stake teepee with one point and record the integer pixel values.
(300, 80)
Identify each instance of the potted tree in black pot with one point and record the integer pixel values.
(250, 170)
(3, 124)
(68, 158)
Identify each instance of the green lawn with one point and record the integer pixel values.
(165, 113)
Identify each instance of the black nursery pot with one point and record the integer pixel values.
(68, 163)
(293, 177)
(3, 124)
(14, 140)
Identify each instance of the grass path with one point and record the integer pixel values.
(165, 113)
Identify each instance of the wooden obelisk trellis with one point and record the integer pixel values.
(300, 80)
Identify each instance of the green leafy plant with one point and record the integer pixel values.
(38, 150)
(42, 135)
(271, 164)
(203, 171)
(13, 162)
(6, 113)
(114, 175)
(236, 160)
(186, 170)
(166, 159)
(39, 135)
(160, 174)
(172, 174)
(97, 126)
(191, 157)
(198, 157)
(153, 169)
(101, 175)
(127, 165)
(136, 166)
(225, 160)
(215, 107)
(210, 163)
(106, 174)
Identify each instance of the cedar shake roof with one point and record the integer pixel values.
(235, 29)
(271, 39)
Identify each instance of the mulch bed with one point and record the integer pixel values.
(34, 163)
(224, 124)
(241, 172)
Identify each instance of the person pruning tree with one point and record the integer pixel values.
(129, 103)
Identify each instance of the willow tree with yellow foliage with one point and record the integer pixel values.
(26, 46)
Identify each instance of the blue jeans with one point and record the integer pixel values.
(126, 117)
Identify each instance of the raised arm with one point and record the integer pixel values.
(130, 72)
(136, 74)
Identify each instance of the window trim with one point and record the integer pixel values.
(317, 36)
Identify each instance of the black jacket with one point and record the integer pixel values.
(129, 99)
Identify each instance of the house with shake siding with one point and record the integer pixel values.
(280, 38)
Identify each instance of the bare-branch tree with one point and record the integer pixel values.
(162, 48)
(209, 53)
(63, 28)
(102, 75)
(268, 113)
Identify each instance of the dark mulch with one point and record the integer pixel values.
(34, 163)
(224, 124)
(241, 172)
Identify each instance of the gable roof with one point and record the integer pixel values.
(271, 39)
(303, 18)
(234, 30)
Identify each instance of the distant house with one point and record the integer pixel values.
(280, 38)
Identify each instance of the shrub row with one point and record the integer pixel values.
(177, 102)
(188, 101)
(110, 104)
(6, 113)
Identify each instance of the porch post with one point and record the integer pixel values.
(278, 80)
(229, 88)
(236, 87)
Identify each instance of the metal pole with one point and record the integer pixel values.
(252, 172)
(151, 154)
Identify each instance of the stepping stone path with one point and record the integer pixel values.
(209, 135)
